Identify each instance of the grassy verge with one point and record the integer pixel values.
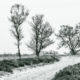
(69, 73)
(8, 65)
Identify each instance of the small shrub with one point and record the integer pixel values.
(20, 64)
(7, 69)
(35, 61)
(40, 60)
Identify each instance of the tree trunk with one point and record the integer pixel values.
(37, 53)
(73, 52)
(19, 51)
(37, 45)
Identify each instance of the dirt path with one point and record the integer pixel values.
(46, 72)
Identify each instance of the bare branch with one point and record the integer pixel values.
(41, 33)
(18, 16)
(69, 38)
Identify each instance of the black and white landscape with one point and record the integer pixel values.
(40, 40)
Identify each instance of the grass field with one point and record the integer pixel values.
(10, 56)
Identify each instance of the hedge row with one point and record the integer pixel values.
(8, 65)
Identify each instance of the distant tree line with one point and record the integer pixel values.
(69, 36)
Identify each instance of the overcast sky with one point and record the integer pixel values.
(56, 12)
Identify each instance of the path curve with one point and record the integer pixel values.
(46, 72)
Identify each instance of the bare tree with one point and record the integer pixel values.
(18, 16)
(41, 33)
(70, 38)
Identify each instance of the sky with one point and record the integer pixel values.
(56, 12)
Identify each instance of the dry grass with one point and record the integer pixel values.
(15, 57)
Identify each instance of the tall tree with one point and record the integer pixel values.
(69, 37)
(41, 33)
(18, 16)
